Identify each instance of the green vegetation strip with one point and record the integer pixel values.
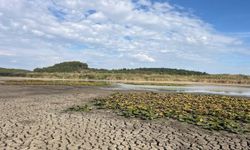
(55, 82)
(156, 83)
(77, 108)
(208, 111)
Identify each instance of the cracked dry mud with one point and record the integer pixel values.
(32, 118)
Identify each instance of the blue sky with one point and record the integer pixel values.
(228, 16)
(205, 35)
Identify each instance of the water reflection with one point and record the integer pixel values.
(208, 89)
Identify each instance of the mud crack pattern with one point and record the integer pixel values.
(32, 118)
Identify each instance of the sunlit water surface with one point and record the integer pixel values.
(207, 89)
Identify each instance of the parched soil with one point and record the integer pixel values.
(33, 117)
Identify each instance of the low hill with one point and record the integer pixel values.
(72, 66)
(76, 66)
(12, 72)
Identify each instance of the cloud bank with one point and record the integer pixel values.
(114, 34)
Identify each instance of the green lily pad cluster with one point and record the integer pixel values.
(213, 112)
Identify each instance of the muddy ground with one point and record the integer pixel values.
(33, 117)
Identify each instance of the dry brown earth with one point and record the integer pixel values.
(32, 117)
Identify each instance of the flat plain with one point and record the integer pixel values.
(33, 117)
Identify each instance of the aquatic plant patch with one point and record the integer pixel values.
(77, 108)
(213, 112)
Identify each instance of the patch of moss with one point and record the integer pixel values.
(84, 108)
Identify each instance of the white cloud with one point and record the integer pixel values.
(98, 17)
(6, 53)
(103, 30)
(143, 58)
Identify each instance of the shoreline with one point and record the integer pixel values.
(143, 82)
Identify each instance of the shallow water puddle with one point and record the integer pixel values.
(207, 89)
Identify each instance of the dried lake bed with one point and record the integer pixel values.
(33, 117)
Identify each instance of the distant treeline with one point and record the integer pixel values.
(160, 71)
(79, 67)
(12, 72)
(76, 66)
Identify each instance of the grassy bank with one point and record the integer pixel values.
(208, 111)
(55, 82)
(153, 77)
